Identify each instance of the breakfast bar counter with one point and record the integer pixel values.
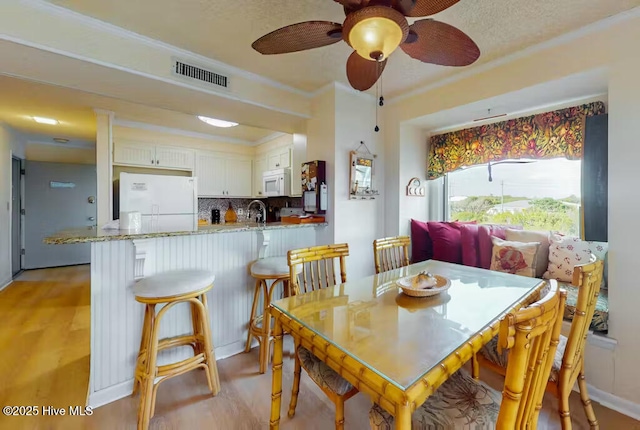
(119, 258)
(93, 234)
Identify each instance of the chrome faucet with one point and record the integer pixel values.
(263, 207)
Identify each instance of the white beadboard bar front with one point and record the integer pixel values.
(116, 318)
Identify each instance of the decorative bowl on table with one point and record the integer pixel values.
(423, 285)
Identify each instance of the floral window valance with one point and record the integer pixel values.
(548, 135)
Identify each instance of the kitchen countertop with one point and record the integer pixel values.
(94, 234)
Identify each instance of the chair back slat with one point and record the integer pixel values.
(532, 334)
(391, 253)
(312, 276)
(588, 278)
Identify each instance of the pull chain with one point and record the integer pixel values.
(379, 97)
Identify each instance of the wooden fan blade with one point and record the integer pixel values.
(299, 37)
(363, 73)
(435, 42)
(351, 4)
(428, 7)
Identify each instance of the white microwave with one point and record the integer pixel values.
(276, 183)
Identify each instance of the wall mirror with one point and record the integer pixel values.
(362, 176)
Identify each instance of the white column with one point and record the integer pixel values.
(104, 154)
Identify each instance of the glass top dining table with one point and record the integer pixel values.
(370, 323)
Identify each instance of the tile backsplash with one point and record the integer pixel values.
(205, 206)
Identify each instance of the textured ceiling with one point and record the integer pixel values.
(21, 100)
(224, 30)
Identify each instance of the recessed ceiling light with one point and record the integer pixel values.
(41, 120)
(217, 122)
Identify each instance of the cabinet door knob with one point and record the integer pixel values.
(157, 161)
(152, 161)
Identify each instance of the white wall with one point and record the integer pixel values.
(341, 120)
(358, 222)
(10, 143)
(413, 162)
(624, 207)
(321, 138)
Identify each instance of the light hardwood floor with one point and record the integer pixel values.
(44, 360)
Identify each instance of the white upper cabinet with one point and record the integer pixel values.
(279, 158)
(155, 156)
(259, 166)
(223, 175)
(238, 178)
(174, 158)
(134, 154)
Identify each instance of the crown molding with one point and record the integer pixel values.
(78, 144)
(548, 44)
(130, 35)
(269, 138)
(180, 132)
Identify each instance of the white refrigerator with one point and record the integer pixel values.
(166, 203)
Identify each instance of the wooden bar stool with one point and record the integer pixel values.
(171, 288)
(276, 270)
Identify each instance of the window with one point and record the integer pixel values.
(536, 194)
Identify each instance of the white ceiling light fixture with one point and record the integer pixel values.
(217, 122)
(42, 120)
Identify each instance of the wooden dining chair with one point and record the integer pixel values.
(532, 335)
(391, 253)
(312, 269)
(568, 365)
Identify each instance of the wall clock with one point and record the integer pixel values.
(415, 188)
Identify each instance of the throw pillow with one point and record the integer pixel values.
(533, 236)
(485, 246)
(469, 242)
(517, 258)
(447, 243)
(421, 244)
(566, 252)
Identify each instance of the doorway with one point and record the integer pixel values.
(16, 218)
(58, 196)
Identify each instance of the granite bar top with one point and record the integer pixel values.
(94, 234)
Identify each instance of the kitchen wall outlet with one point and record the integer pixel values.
(240, 211)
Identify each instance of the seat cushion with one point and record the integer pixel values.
(275, 267)
(173, 283)
(490, 352)
(459, 403)
(600, 321)
(322, 374)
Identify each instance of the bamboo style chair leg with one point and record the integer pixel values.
(563, 410)
(145, 407)
(254, 309)
(339, 412)
(586, 401)
(296, 383)
(195, 322)
(144, 340)
(209, 354)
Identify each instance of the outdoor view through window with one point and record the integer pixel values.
(536, 194)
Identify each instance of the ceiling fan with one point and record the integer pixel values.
(374, 29)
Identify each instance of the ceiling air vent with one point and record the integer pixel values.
(203, 75)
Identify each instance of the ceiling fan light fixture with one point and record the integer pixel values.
(376, 31)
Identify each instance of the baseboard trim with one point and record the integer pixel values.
(123, 389)
(3, 286)
(611, 401)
